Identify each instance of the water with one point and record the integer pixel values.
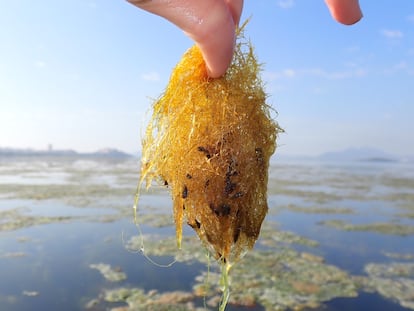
(57, 217)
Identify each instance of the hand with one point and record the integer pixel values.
(212, 23)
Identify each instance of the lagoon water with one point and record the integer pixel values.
(338, 236)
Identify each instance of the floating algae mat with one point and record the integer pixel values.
(210, 141)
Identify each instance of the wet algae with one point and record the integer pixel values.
(210, 141)
(384, 228)
(109, 273)
(17, 218)
(393, 280)
(276, 278)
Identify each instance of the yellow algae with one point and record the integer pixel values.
(209, 141)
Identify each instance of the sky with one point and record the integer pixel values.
(83, 74)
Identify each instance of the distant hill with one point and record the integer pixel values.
(359, 154)
(102, 153)
(111, 152)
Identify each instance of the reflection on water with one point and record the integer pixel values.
(337, 234)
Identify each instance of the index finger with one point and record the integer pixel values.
(346, 12)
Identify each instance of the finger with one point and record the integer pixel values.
(208, 22)
(346, 12)
(236, 8)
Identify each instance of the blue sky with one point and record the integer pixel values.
(82, 74)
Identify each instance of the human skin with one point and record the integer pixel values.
(212, 23)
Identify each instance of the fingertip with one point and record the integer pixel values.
(345, 12)
(216, 42)
(236, 8)
(215, 73)
(217, 65)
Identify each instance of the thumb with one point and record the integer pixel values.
(210, 23)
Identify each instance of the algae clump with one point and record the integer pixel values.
(209, 141)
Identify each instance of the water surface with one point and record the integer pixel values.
(338, 236)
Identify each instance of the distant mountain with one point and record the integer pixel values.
(111, 152)
(102, 153)
(359, 154)
(409, 158)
